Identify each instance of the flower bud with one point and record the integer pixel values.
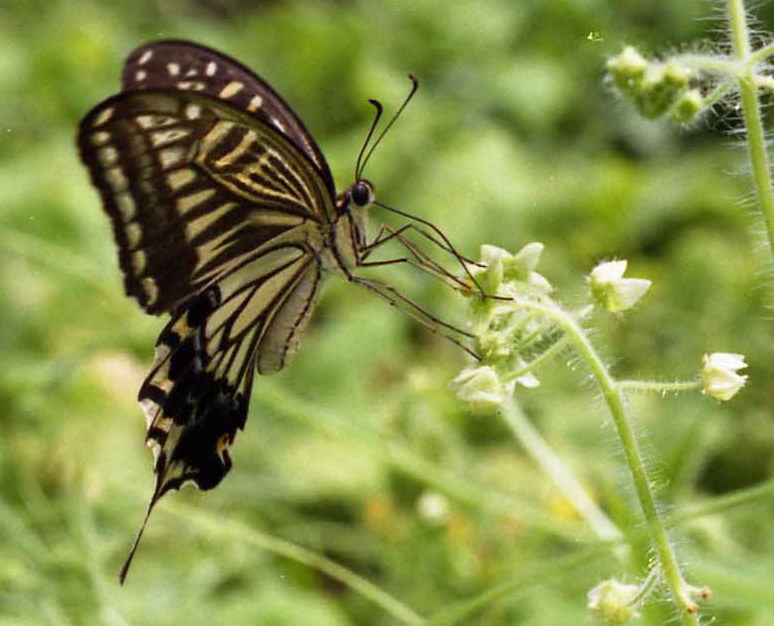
(660, 89)
(480, 386)
(612, 603)
(627, 69)
(614, 292)
(688, 106)
(719, 378)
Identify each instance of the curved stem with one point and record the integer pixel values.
(543, 357)
(220, 525)
(723, 503)
(707, 63)
(761, 54)
(656, 386)
(669, 566)
(756, 142)
(559, 473)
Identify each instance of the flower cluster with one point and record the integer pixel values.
(613, 603)
(515, 328)
(507, 334)
(656, 89)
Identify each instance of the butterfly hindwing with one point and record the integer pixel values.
(192, 184)
(187, 66)
(197, 393)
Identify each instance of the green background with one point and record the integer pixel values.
(514, 136)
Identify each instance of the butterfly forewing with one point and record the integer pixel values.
(187, 66)
(192, 185)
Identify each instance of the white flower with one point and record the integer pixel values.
(480, 386)
(719, 377)
(433, 507)
(529, 256)
(614, 292)
(612, 603)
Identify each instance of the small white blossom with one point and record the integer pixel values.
(529, 256)
(480, 386)
(719, 378)
(433, 507)
(612, 603)
(614, 292)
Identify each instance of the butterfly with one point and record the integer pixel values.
(225, 215)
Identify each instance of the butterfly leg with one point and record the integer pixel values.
(381, 238)
(420, 260)
(420, 314)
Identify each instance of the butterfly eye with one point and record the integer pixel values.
(362, 193)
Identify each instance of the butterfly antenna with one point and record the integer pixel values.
(378, 106)
(154, 499)
(414, 87)
(440, 233)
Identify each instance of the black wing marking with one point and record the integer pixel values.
(197, 393)
(191, 184)
(184, 65)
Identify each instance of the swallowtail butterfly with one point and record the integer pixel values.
(226, 216)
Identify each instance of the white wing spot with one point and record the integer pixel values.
(170, 156)
(150, 408)
(140, 75)
(145, 57)
(139, 261)
(108, 156)
(100, 137)
(133, 234)
(191, 85)
(173, 69)
(116, 179)
(103, 116)
(211, 68)
(154, 121)
(126, 206)
(191, 72)
(151, 289)
(180, 178)
(255, 103)
(186, 203)
(233, 88)
(278, 124)
(193, 111)
(163, 137)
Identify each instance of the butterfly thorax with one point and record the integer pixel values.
(348, 233)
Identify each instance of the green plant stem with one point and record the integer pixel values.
(756, 142)
(669, 566)
(707, 63)
(543, 357)
(655, 386)
(460, 488)
(521, 584)
(761, 54)
(723, 503)
(557, 471)
(219, 526)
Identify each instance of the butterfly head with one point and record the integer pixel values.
(362, 193)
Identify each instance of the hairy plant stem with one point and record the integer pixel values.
(670, 568)
(748, 92)
(656, 386)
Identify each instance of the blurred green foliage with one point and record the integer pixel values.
(514, 137)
